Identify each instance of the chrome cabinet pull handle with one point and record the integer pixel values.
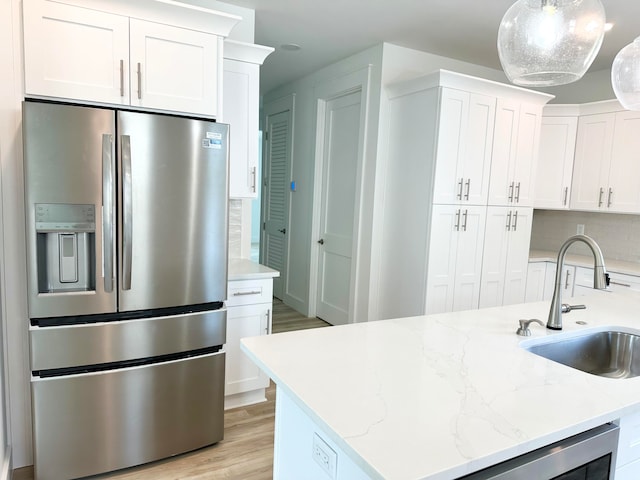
(139, 81)
(459, 195)
(566, 280)
(252, 292)
(127, 209)
(457, 225)
(566, 194)
(511, 192)
(518, 193)
(468, 186)
(600, 197)
(254, 176)
(509, 221)
(464, 221)
(107, 211)
(609, 197)
(122, 78)
(515, 221)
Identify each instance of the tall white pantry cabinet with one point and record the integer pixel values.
(457, 205)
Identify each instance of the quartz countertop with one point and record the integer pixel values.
(245, 269)
(436, 397)
(618, 266)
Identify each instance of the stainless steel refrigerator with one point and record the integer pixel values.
(126, 225)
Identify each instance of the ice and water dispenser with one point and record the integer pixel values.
(65, 247)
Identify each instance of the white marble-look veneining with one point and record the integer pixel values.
(440, 396)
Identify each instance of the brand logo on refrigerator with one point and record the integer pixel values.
(213, 140)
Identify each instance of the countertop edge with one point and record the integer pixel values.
(246, 269)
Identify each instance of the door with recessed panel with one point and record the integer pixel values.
(340, 153)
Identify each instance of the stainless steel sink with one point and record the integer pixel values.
(609, 353)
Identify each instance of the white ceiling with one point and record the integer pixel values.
(330, 30)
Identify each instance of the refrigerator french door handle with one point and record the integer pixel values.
(127, 227)
(107, 210)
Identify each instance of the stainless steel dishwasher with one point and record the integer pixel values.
(590, 455)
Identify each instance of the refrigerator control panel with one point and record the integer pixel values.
(56, 217)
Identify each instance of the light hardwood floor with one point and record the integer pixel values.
(246, 453)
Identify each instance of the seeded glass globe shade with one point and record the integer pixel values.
(550, 42)
(625, 76)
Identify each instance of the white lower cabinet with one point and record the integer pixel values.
(628, 457)
(455, 258)
(249, 312)
(536, 275)
(506, 256)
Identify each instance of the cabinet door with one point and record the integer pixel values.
(593, 159)
(445, 229)
(452, 129)
(494, 258)
(174, 68)
(241, 374)
(241, 82)
(536, 273)
(515, 282)
(501, 184)
(478, 146)
(525, 160)
(468, 272)
(75, 53)
(624, 174)
(555, 162)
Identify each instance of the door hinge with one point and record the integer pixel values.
(264, 225)
(266, 136)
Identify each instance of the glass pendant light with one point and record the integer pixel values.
(550, 42)
(625, 75)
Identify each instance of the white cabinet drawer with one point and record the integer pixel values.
(246, 292)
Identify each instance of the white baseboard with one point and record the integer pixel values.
(6, 472)
(244, 399)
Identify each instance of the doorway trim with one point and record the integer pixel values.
(324, 92)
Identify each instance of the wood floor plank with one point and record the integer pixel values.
(245, 453)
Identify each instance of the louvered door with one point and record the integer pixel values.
(276, 194)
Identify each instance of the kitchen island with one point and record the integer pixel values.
(435, 397)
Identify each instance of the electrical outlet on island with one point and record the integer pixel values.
(324, 456)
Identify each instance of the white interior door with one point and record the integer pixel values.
(340, 147)
(274, 234)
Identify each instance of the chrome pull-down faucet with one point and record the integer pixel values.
(599, 277)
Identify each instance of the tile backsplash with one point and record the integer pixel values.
(235, 228)
(618, 235)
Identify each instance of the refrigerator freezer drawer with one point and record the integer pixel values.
(98, 422)
(95, 343)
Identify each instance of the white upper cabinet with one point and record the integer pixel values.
(173, 68)
(76, 53)
(555, 162)
(624, 174)
(464, 142)
(592, 161)
(606, 171)
(171, 60)
(241, 92)
(515, 153)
